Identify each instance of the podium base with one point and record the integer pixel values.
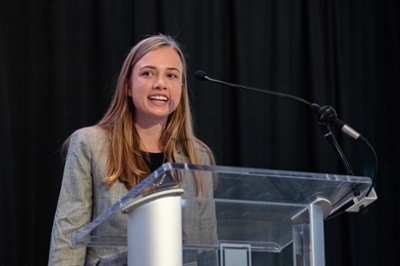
(155, 229)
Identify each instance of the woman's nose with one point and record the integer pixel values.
(160, 83)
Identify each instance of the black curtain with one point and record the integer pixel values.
(59, 61)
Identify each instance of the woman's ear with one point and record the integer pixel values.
(129, 88)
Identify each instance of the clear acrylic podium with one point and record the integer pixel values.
(181, 212)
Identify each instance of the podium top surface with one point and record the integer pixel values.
(243, 205)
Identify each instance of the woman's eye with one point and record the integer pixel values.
(146, 73)
(172, 76)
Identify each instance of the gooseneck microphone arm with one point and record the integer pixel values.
(201, 75)
(326, 116)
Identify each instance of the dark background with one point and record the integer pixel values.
(59, 61)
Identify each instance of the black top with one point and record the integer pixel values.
(156, 160)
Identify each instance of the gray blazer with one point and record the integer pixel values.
(84, 196)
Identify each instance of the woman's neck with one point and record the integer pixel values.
(150, 137)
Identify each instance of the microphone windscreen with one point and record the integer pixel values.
(200, 74)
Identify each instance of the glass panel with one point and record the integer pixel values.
(234, 205)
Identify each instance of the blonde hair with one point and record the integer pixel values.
(125, 162)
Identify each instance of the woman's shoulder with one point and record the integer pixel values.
(200, 146)
(93, 136)
(205, 153)
(91, 133)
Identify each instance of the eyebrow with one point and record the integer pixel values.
(168, 68)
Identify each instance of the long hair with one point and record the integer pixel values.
(125, 162)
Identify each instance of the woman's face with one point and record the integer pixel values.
(155, 85)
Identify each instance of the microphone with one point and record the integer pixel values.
(325, 115)
(200, 74)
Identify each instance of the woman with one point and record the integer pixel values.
(147, 123)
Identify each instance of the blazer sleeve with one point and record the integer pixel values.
(74, 207)
(208, 222)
